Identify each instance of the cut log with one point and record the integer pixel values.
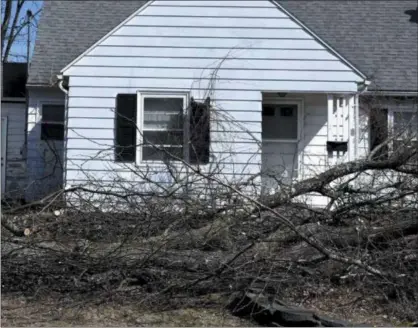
(270, 312)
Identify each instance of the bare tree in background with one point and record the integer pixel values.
(16, 26)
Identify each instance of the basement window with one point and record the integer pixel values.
(52, 122)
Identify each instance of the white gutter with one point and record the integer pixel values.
(356, 125)
(62, 88)
(392, 93)
(357, 117)
(61, 81)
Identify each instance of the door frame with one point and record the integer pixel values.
(276, 100)
(4, 155)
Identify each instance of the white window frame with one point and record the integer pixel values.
(41, 105)
(391, 121)
(141, 95)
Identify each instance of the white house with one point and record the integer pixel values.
(13, 124)
(285, 79)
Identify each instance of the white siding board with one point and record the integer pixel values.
(219, 4)
(223, 85)
(216, 32)
(224, 43)
(15, 113)
(230, 22)
(221, 74)
(176, 46)
(164, 11)
(98, 94)
(15, 160)
(213, 53)
(210, 63)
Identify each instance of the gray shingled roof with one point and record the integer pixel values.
(376, 36)
(379, 37)
(67, 28)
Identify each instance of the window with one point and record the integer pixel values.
(404, 129)
(52, 123)
(157, 130)
(280, 122)
(378, 132)
(162, 128)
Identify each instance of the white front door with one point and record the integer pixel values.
(3, 154)
(281, 132)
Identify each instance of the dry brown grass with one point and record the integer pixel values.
(55, 311)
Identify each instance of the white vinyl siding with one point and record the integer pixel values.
(15, 160)
(45, 159)
(239, 50)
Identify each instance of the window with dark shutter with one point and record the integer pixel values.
(125, 143)
(199, 147)
(379, 133)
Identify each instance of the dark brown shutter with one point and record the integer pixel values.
(379, 133)
(199, 148)
(125, 150)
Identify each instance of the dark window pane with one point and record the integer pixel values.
(163, 137)
(50, 131)
(402, 145)
(268, 110)
(53, 113)
(125, 143)
(162, 153)
(405, 124)
(379, 132)
(163, 105)
(158, 120)
(280, 122)
(287, 111)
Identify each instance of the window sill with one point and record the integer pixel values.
(280, 140)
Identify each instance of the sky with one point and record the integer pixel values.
(18, 51)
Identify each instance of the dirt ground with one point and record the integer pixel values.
(62, 311)
(20, 311)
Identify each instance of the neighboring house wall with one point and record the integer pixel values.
(44, 159)
(385, 103)
(15, 162)
(232, 52)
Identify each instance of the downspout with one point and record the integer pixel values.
(65, 90)
(363, 88)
